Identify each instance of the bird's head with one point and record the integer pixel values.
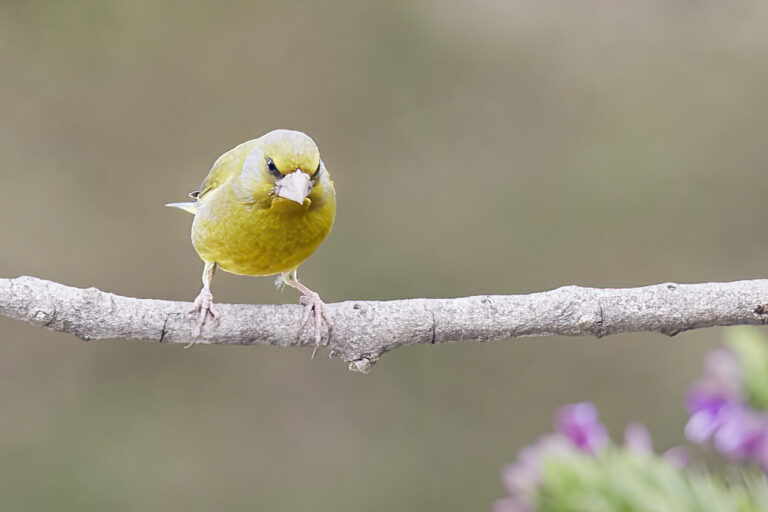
(286, 164)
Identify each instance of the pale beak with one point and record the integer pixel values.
(295, 186)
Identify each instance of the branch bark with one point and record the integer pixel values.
(364, 330)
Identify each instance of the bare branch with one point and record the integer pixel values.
(364, 330)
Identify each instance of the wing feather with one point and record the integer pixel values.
(225, 167)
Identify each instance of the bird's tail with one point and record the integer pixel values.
(187, 207)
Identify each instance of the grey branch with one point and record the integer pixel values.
(364, 330)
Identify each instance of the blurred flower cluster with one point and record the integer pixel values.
(729, 403)
(578, 468)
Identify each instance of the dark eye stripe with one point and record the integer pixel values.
(273, 168)
(317, 172)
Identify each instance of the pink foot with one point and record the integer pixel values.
(314, 306)
(204, 305)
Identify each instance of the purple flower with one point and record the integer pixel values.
(637, 438)
(677, 456)
(723, 373)
(743, 433)
(579, 432)
(524, 476)
(721, 414)
(709, 410)
(579, 423)
(714, 397)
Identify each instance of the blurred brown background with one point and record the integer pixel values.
(477, 147)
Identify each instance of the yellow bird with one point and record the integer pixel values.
(263, 209)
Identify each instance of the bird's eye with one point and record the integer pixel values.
(273, 168)
(316, 173)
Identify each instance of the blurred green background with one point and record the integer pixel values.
(477, 147)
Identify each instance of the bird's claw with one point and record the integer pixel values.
(204, 305)
(313, 304)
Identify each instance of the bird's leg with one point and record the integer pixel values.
(313, 305)
(204, 300)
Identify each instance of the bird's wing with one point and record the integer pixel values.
(223, 169)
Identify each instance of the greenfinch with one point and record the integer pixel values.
(263, 209)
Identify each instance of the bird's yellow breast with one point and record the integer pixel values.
(260, 239)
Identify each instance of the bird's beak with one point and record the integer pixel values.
(295, 186)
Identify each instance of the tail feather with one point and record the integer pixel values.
(187, 207)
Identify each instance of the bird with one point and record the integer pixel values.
(263, 209)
